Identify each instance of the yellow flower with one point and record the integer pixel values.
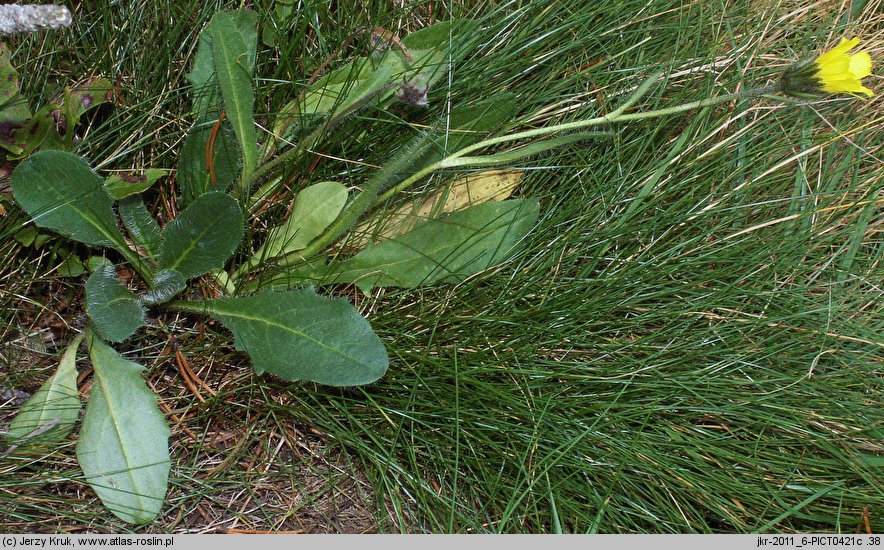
(833, 72)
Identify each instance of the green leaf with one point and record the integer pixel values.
(94, 262)
(440, 35)
(115, 310)
(14, 111)
(232, 68)
(202, 75)
(193, 172)
(142, 226)
(361, 80)
(203, 236)
(9, 84)
(123, 185)
(352, 83)
(38, 131)
(166, 284)
(315, 208)
(56, 405)
(301, 336)
(72, 266)
(446, 249)
(123, 448)
(60, 192)
(433, 47)
(246, 24)
(77, 101)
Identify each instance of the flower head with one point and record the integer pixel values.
(833, 72)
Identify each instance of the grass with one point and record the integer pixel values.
(690, 341)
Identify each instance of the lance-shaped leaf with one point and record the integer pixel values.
(203, 236)
(50, 414)
(363, 81)
(193, 170)
(60, 192)
(142, 226)
(206, 96)
(448, 249)
(301, 336)
(114, 309)
(315, 208)
(232, 68)
(123, 448)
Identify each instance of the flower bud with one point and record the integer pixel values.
(833, 72)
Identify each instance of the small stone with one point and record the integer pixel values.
(15, 19)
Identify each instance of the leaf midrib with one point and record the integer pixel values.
(93, 219)
(129, 471)
(244, 130)
(293, 330)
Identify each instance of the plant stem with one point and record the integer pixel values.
(306, 144)
(369, 196)
(615, 116)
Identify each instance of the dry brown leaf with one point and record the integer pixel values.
(464, 191)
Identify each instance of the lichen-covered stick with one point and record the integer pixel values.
(15, 19)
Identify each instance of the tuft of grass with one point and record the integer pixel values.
(690, 340)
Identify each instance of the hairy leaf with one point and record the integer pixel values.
(206, 94)
(123, 448)
(301, 336)
(60, 192)
(447, 249)
(232, 68)
(166, 284)
(193, 170)
(142, 226)
(115, 310)
(203, 236)
(50, 414)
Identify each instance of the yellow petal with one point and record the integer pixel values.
(842, 48)
(860, 65)
(847, 85)
(833, 66)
